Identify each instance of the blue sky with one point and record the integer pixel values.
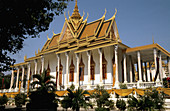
(137, 21)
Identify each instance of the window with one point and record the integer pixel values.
(104, 66)
(71, 78)
(48, 70)
(92, 68)
(30, 75)
(81, 70)
(60, 74)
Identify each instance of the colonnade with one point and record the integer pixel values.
(139, 64)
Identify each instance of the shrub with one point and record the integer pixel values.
(3, 100)
(152, 99)
(76, 99)
(122, 86)
(43, 97)
(20, 100)
(120, 104)
(101, 97)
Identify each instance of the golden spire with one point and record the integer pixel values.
(153, 39)
(76, 14)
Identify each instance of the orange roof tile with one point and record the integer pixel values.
(67, 35)
(104, 28)
(46, 45)
(54, 41)
(89, 29)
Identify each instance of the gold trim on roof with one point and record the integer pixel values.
(32, 58)
(20, 64)
(151, 46)
(95, 47)
(76, 14)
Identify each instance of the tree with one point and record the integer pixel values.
(101, 97)
(5, 81)
(43, 96)
(3, 101)
(20, 100)
(151, 100)
(21, 19)
(76, 99)
(121, 104)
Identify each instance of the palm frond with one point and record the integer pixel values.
(35, 83)
(37, 76)
(50, 87)
(51, 82)
(47, 78)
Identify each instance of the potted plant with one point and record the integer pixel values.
(3, 101)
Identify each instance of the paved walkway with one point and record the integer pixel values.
(13, 108)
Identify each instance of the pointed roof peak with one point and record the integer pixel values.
(76, 14)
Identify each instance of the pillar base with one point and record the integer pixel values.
(16, 89)
(101, 84)
(138, 84)
(158, 83)
(88, 87)
(66, 86)
(125, 82)
(116, 85)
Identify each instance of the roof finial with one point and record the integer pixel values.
(76, 2)
(76, 14)
(104, 13)
(48, 37)
(53, 32)
(153, 39)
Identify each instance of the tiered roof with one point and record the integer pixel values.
(77, 34)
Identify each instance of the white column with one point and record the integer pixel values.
(148, 73)
(88, 68)
(168, 62)
(67, 68)
(160, 67)
(116, 62)
(155, 56)
(125, 73)
(101, 71)
(12, 79)
(131, 76)
(139, 66)
(77, 76)
(42, 62)
(145, 73)
(58, 63)
(22, 80)
(28, 74)
(35, 62)
(17, 77)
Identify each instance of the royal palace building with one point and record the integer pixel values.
(91, 54)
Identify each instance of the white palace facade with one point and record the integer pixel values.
(91, 54)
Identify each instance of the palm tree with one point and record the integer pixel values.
(101, 97)
(149, 101)
(77, 99)
(43, 97)
(43, 82)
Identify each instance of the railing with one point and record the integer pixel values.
(140, 85)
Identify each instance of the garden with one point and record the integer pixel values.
(43, 96)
